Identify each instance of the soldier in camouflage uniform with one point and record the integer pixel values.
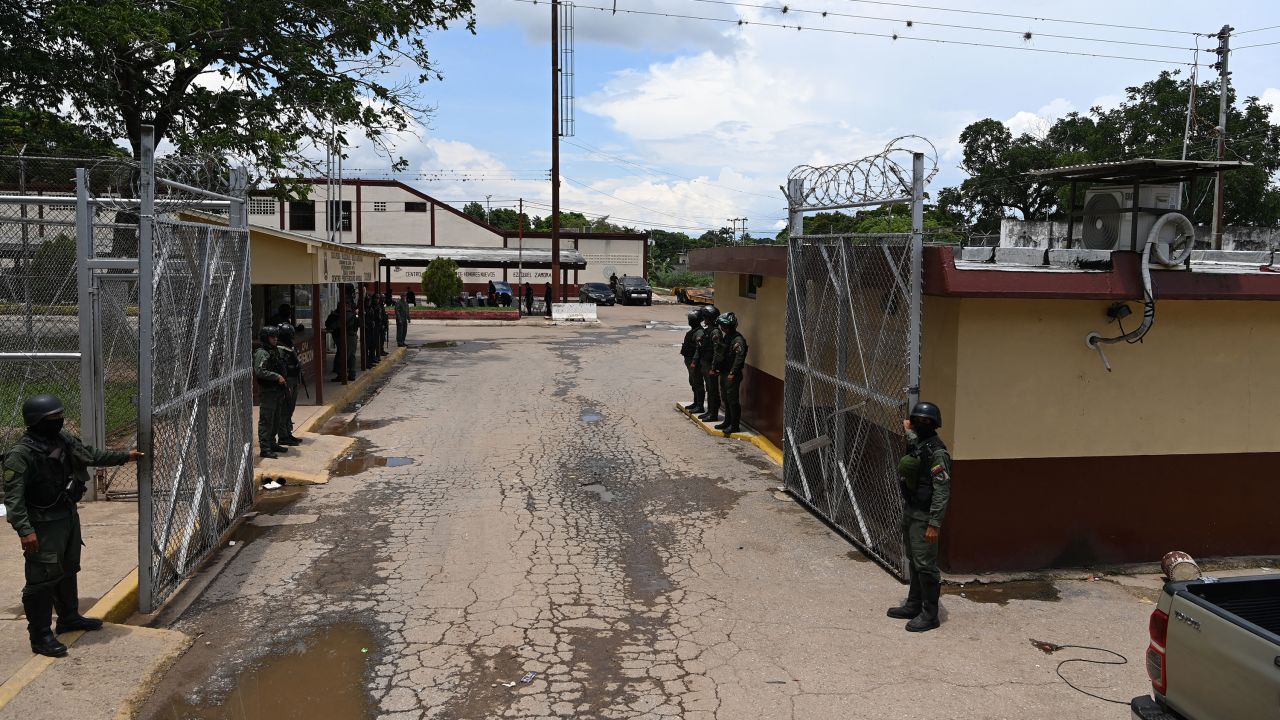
(731, 361)
(45, 475)
(269, 371)
(925, 481)
(689, 358)
(292, 378)
(708, 340)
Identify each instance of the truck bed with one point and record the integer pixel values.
(1256, 602)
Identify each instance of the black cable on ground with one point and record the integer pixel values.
(1049, 648)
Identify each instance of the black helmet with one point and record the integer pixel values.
(710, 313)
(928, 411)
(728, 320)
(695, 318)
(285, 331)
(268, 331)
(39, 407)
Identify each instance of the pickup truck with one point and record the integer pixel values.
(1214, 652)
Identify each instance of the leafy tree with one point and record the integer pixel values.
(508, 219)
(39, 132)
(52, 276)
(284, 72)
(1150, 122)
(441, 282)
(475, 211)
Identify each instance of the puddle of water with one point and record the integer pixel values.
(324, 681)
(360, 460)
(1002, 593)
(354, 424)
(591, 416)
(442, 344)
(270, 502)
(599, 490)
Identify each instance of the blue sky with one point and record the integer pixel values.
(696, 122)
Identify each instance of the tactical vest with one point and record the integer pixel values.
(276, 364)
(726, 362)
(51, 482)
(292, 365)
(918, 494)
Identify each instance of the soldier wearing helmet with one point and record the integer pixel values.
(689, 355)
(707, 342)
(269, 370)
(731, 361)
(45, 475)
(925, 482)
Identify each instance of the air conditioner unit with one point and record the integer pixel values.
(1105, 228)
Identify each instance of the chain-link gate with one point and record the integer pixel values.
(853, 350)
(110, 281)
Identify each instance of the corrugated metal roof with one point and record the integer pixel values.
(1140, 170)
(420, 255)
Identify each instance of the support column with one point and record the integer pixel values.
(317, 343)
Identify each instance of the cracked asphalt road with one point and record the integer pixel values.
(558, 517)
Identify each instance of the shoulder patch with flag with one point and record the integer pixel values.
(938, 469)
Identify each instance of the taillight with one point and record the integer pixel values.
(1156, 666)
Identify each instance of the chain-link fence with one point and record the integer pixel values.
(853, 348)
(130, 280)
(847, 383)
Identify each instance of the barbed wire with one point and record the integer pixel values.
(880, 177)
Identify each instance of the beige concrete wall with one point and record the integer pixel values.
(763, 320)
(1204, 380)
(940, 335)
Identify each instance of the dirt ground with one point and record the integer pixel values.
(528, 529)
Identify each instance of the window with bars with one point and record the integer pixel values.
(262, 206)
(302, 215)
(345, 214)
(379, 206)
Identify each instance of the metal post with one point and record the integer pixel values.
(520, 278)
(555, 151)
(362, 326)
(89, 387)
(1219, 193)
(344, 371)
(795, 216)
(25, 265)
(317, 343)
(146, 303)
(917, 277)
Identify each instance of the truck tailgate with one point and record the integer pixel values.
(1224, 652)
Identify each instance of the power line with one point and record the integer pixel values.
(1246, 32)
(837, 31)
(1027, 35)
(1246, 47)
(1030, 17)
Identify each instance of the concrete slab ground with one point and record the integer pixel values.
(536, 534)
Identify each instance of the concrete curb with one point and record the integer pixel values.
(351, 391)
(752, 436)
(116, 606)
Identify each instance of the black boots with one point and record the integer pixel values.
(66, 598)
(711, 415)
(930, 589)
(911, 607)
(731, 423)
(39, 609)
(290, 441)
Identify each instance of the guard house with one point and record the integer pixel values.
(1073, 446)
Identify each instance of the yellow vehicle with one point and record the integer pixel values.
(695, 295)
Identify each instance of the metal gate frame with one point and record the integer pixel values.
(875, 181)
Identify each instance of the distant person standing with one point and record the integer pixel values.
(45, 475)
(402, 320)
(613, 283)
(385, 317)
(925, 482)
(689, 358)
(528, 299)
(546, 299)
(411, 298)
(292, 377)
(732, 362)
(269, 371)
(707, 343)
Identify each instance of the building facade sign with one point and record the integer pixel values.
(338, 266)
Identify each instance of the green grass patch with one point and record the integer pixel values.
(121, 412)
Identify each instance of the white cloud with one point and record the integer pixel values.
(1037, 123)
(1271, 96)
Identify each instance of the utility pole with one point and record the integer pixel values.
(555, 149)
(1224, 52)
(488, 210)
(739, 238)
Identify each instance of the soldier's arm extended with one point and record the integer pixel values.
(940, 471)
(15, 494)
(260, 369)
(92, 456)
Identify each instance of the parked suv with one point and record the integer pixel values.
(634, 290)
